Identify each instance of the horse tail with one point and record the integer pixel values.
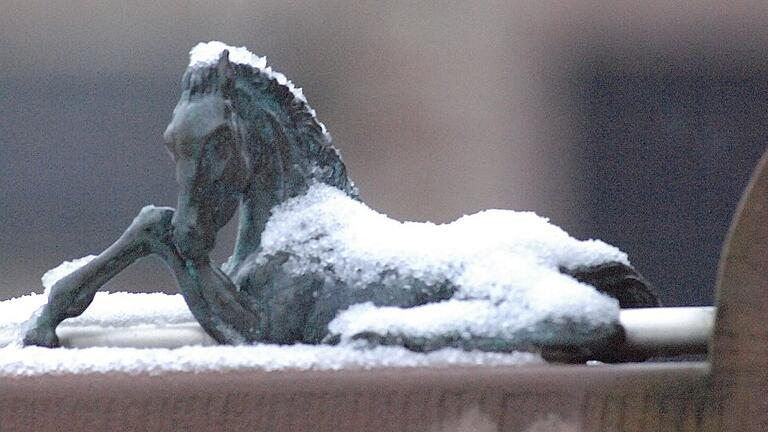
(619, 281)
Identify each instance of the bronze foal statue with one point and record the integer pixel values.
(243, 138)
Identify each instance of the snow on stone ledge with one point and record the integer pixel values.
(125, 309)
(33, 361)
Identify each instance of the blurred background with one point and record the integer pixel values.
(636, 126)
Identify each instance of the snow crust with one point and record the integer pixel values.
(504, 263)
(33, 361)
(118, 310)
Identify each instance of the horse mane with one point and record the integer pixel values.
(253, 79)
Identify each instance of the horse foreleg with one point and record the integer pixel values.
(225, 313)
(71, 295)
(214, 300)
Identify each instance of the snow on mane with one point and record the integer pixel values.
(504, 263)
(208, 53)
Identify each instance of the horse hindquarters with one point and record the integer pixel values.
(562, 339)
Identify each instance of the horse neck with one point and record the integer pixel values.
(289, 151)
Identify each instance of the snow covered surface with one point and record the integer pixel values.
(40, 361)
(124, 310)
(504, 263)
(119, 310)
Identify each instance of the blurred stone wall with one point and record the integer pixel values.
(439, 109)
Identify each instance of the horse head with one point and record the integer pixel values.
(204, 140)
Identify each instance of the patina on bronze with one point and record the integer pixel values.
(241, 140)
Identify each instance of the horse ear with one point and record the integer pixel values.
(226, 73)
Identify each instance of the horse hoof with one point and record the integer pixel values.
(42, 337)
